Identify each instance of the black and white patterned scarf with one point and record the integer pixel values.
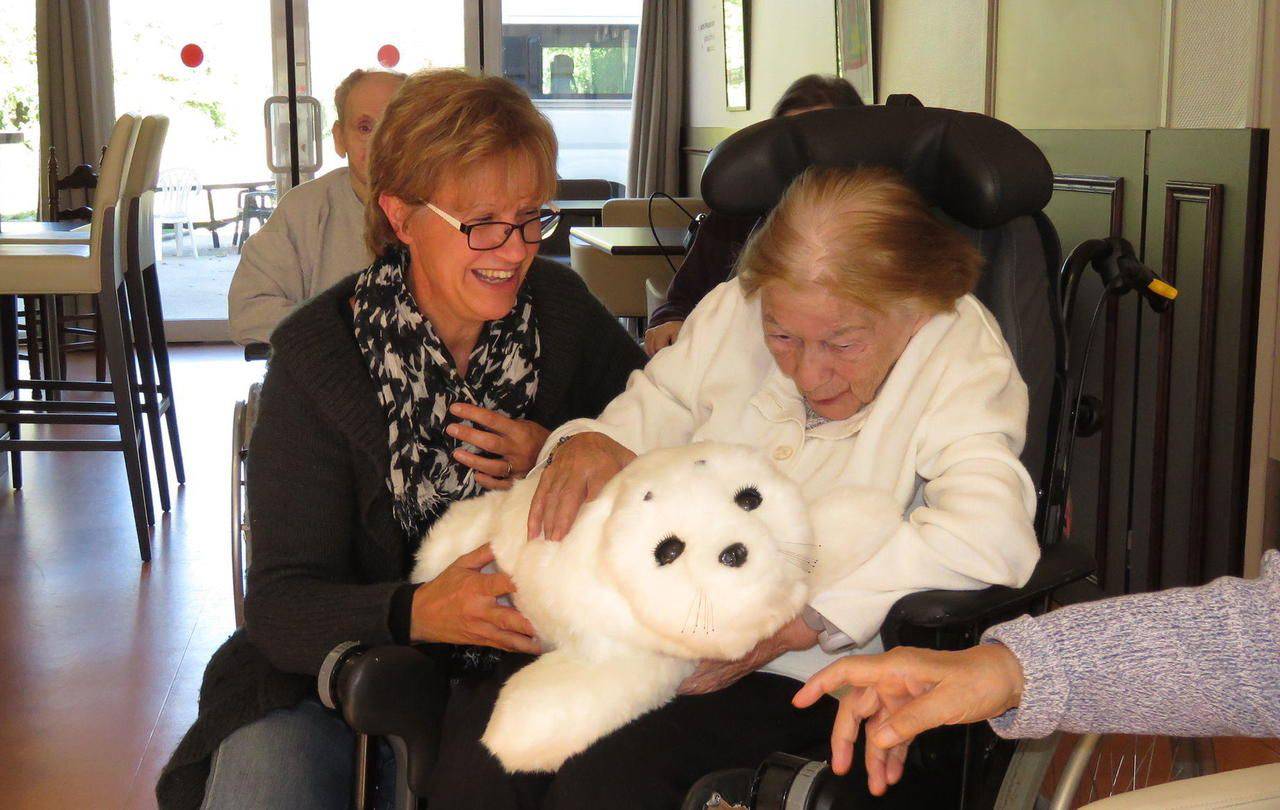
(417, 382)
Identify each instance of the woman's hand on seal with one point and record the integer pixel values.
(578, 470)
(516, 442)
(461, 606)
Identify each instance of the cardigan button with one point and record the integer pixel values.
(782, 453)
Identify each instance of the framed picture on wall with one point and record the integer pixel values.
(853, 46)
(737, 31)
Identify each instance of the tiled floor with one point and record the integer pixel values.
(195, 289)
(100, 655)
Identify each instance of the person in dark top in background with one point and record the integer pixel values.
(721, 237)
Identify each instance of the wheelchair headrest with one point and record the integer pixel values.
(979, 171)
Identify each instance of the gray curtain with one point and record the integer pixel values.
(77, 94)
(658, 100)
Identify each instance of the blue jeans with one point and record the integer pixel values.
(302, 757)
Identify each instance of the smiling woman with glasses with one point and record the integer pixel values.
(425, 379)
(493, 235)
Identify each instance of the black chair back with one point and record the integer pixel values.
(82, 178)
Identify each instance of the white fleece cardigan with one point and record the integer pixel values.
(941, 439)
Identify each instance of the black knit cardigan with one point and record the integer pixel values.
(327, 554)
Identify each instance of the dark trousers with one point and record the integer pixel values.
(650, 763)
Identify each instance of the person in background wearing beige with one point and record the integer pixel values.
(315, 237)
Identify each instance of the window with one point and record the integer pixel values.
(577, 61)
(20, 162)
(571, 61)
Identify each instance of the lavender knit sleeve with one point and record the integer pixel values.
(1183, 662)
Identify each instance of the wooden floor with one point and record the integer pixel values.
(100, 655)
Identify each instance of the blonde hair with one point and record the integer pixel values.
(442, 123)
(866, 235)
(348, 84)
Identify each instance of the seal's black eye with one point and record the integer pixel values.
(668, 550)
(748, 498)
(648, 496)
(735, 556)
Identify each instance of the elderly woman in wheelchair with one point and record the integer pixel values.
(425, 379)
(851, 350)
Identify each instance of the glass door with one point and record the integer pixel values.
(248, 87)
(402, 35)
(577, 61)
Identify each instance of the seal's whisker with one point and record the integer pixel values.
(792, 555)
(685, 627)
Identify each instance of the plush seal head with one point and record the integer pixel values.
(710, 547)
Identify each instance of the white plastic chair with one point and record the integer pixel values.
(178, 189)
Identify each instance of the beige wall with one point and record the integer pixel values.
(1065, 65)
(789, 38)
(941, 58)
(1038, 64)
(1215, 58)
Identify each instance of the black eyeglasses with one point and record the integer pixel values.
(493, 235)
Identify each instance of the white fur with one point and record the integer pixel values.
(621, 630)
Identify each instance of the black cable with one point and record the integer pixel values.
(1074, 415)
(654, 230)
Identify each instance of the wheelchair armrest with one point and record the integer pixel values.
(257, 351)
(395, 691)
(1060, 564)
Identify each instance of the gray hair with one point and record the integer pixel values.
(354, 78)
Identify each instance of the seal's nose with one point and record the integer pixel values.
(734, 556)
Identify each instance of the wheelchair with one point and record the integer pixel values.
(243, 415)
(992, 184)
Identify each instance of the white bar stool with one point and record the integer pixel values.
(84, 269)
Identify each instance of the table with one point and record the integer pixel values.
(583, 208)
(633, 241)
(214, 222)
(23, 226)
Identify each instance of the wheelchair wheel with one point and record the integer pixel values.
(1066, 771)
(243, 417)
(238, 566)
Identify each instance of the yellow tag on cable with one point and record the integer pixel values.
(1163, 290)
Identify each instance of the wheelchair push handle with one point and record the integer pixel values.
(1120, 270)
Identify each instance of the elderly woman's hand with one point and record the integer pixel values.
(516, 442)
(907, 691)
(461, 606)
(579, 469)
(661, 336)
(712, 676)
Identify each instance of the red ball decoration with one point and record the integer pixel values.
(192, 55)
(388, 56)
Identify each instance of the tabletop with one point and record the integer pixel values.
(633, 241)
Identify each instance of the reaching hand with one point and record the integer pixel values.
(907, 691)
